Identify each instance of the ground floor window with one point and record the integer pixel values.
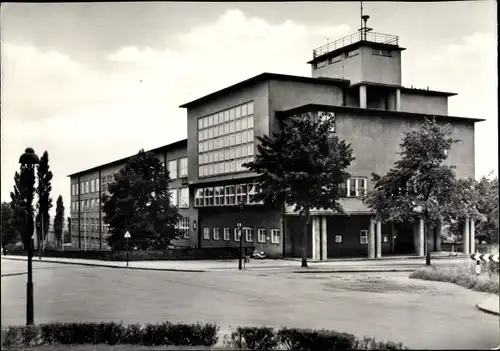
(227, 234)
(338, 238)
(363, 237)
(216, 233)
(183, 226)
(206, 233)
(261, 235)
(275, 236)
(237, 234)
(248, 234)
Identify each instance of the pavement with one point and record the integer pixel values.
(385, 264)
(490, 305)
(387, 306)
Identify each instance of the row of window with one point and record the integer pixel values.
(336, 58)
(226, 141)
(224, 167)
(215, 234)
(89, 225)
(88, 205)
(226, 115)
(86, 187)
(226, 128)
(363, 237)
(228, 195)
(227, 154)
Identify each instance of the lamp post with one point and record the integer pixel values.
(29, 159)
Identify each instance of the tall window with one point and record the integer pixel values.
(198, 197)
(223, 132)
(363, 236)
(172, 169)
(230, 196)
(184, 227)
(183, 167)
(206, 233)
(227, 234)
(216, 233)
(356, 187)
(237, 234)
(184, 197)
(261, 235)
(209, 196)
(275, 236)
(173, 197)
(92, 185)
(86, 187)
(219, 195)
(241, 193)
(248, 234)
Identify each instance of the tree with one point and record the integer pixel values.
(419, 185)
(59, 219)
(488, 206)
(67, 232)
(10, 232)
(22, 202)
(139, 202)
(303, 165)
(44, 200)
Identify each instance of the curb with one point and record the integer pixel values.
(385, 258)
(108, 266)
(12, 274)
(355, 271)
(485, 310)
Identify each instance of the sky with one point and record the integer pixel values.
(94, 82)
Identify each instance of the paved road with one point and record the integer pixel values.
(388, 306)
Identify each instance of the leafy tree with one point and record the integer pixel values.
(59, 219)
(10, 232)
(44, 200)
(488, 205)
(302, 165)
(67, 232)
(139, 202)
(419, 185)
(22, 202)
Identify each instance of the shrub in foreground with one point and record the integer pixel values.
(462, 276)
(112, 333)
(265, 338)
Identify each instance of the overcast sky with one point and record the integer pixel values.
(71, 73)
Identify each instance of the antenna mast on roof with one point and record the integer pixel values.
(364, 29)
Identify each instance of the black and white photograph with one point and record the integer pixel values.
(291, 175)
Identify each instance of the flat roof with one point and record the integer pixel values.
(405, 89)
(354, 46)
(368, 111)
(262, 78)
(173, 145)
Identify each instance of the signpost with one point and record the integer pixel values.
(241, 244)
(483, 257)
(127, 236)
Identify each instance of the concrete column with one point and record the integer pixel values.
(415, 236)
(324, 240)
(391, 239)
(362, 96)
(472, 236)
(371, 239)
(398, 100)
(315, 238)
(379, 239)
(466, 237)
(421, 237)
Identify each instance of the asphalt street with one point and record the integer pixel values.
(388, 306)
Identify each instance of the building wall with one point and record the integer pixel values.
(287, 95)
(411, 102)
(252, 216)
(375, 142)
(380, 69)
(344, 68)
(257, 93)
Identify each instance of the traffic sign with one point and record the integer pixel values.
(127, 235)
(484, 257)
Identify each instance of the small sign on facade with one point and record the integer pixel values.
(127, 235)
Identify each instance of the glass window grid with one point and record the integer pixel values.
(184, 227)
(248, 234)
(261, 235)
(229, 195)
(172, 169)
(184, 198)
(227, 234)
(275, 236)
(183, 167)
(216, 234)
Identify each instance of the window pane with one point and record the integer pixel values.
(221, 155)
(244, 151)
(233, 166)
(244, 110)
(244, 123)
(244, 137)
(221, 167)
(231, 114)
(250, 108)
(210, 121)
(210, 145)
(216, 131)
(250, 149)
(238, 165)
(205, 134)
(238, 125)
(250, 135)
(238, 152)
(210, 157)
(238, 112)
(226, 128)
(238, 138)
(232, 139)
(216, 119)
(226, 167)
(231, 126)
(216, 156)
(250, 122)
(200, 123)
(210, 133)
(226, 141)
(216, 143)
(232, 153)
(221, 129)
(200, 159)
(226, 115)
(200, 147)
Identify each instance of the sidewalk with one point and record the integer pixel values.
(490, 305)
(287, 266)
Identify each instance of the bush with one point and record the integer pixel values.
(265, 338)
(112, 333)
(253, 338)
(462, 276)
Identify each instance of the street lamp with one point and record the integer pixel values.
(240, 205)
(29, 159)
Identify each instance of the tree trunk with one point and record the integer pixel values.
(304, 241)
(428, 246)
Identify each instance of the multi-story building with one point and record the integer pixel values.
(356, 80)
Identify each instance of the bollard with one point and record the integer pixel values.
(478, 267)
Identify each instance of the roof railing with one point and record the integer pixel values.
(354, 38)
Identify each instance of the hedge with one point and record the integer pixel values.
(144, 255)
(266, 338)
(112, 333)
(248, 338)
